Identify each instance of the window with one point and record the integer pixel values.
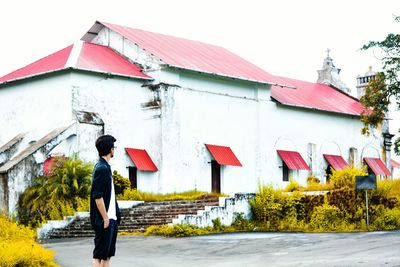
(328, 173)
(215, 177)
(133, 177)
(353, 156)
(285, 172)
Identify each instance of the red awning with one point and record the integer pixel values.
(141, 159)
(336, 161)
(223, 155)
(377, 166)
(395, 164)
(46, 166)
(293, 160)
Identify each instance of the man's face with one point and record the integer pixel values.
(112, 151)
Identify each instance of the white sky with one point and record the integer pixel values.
(285, 37)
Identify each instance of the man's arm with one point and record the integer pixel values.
(102, 209)
(98, 188)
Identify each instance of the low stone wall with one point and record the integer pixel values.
(228, 209)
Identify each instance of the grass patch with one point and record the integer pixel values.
(130, 233)
(240, 224)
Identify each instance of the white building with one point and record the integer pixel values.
(186, 115)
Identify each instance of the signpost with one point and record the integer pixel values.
(366, 183)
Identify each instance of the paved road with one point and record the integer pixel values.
(242, 249)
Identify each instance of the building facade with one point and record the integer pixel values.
(186, 115)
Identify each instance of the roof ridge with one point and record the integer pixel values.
(74, 55)
(166, 35)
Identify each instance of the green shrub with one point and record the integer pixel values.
(326, 218)
(293, 206)
(130, 194)
(291, 224)
(345, 177)
(313, 179)
(120, 183)
(53, 197)
(293, 185)
(83, 204)
(314, 184)
(388, 219)
(217, 225)
(347, 200)
(387, 193)
(267, 206)
(18, 248)
(242, 224)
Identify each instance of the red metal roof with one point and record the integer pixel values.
(336, 161)
(103, 59)
(191, 55)
(141, 159)
(395, 164)
(91, 57)
(377, 166)
(293, 160)
(53, 62)
(316, 96)
(223, 155)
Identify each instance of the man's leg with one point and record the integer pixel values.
(105, 263)
(96, 263)
(101, 250)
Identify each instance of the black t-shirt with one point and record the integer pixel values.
(101, 188)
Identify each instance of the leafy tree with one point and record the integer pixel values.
(58, 195)
(386, 86)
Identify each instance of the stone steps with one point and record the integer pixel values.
(137, 218)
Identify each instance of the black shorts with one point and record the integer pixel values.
(104, 241)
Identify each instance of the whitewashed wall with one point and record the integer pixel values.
(242, 116)
(39, 105)
(120, 102)
(204, 109)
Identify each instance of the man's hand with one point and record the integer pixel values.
(102, 208)
(106, 222)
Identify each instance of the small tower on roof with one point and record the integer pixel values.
(329, 74)
(363, 80)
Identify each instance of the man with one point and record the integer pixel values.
(104, 211)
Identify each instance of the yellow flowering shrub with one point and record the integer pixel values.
(18, 247)
(345, 177)
(292, 186)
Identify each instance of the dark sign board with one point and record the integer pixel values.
(365, 182)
